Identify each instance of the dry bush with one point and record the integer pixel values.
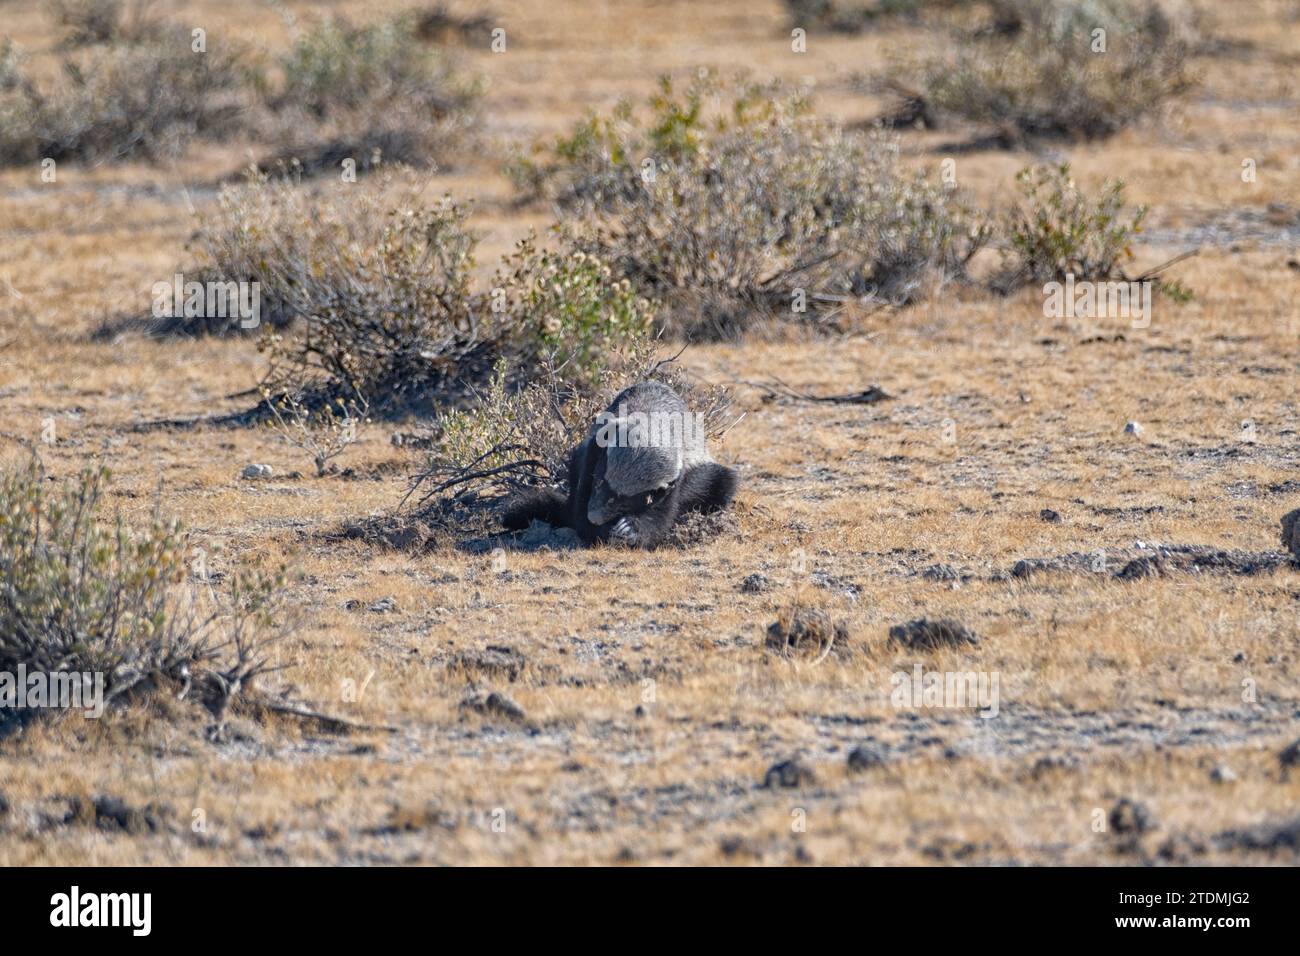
(438, 24)
(855, 16)
(375, 284)
(146, 100)
(324, 432)
(1057, 230)
(372, 301)
(604, 157)
(1039, 74)
(369, 93)
(106, 21)
(80, 592)
(782, 221)
(386, 313)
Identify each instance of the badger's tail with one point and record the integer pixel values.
(535, 504)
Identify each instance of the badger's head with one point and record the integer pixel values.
(630, 478)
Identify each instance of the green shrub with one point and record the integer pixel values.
(572, 305)
(81, 592)
(1039, 75)
(1057, 230)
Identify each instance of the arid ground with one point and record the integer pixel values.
(652, 705)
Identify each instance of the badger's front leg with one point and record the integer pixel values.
(648, 528)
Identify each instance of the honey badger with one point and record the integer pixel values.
(642, 465)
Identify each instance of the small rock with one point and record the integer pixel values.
(1291, 532)
(1053, 763)
(865, 757)
(494, 662)
(788, 773)
(1133, 428)
(1223, 774)
(1239, 657)
(113, 813)
(806, 628)
(492, 704)
(941, 572)
(1290, 757)
(1127, 816)
(734, 846)
(1050, 516)
(384, 606)
(755, 583)
(257, 471)
(927, 635)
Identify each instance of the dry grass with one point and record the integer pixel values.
(652, 707)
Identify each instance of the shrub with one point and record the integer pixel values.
(80, 592)
(371, 293)
(106, 21)
(147, 100)
(785, 218)
(370, 93)
(323, 433)
(847, 16)
(1040, 74)
(384, 302)
(1057, 230)
(603, 158)
(571, 307)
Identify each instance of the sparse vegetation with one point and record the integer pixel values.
(144, 89)
(146, 100)
(1064, 68)
(106, 21)
(965, 458)
(784, 221)
(372, 297)
(323, 433)
(372, 93)
(81, 592)
(1058, 230)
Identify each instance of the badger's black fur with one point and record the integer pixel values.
(643, 512)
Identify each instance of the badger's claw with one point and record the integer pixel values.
(624, 531)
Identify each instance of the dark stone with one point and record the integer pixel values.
(927, 635)
(788, 773)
